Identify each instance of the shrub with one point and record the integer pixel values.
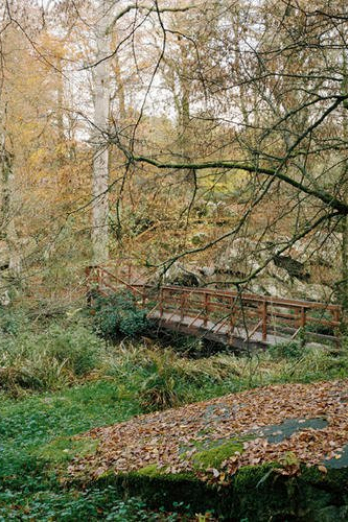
(12, 321)
(161, 389)
(39, 372)
(162, 379)
(159, 392)
(117, 315)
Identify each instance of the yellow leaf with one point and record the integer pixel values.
(322, 469)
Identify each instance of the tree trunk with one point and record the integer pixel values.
(8, 210)
(344, 252)
(100, 207)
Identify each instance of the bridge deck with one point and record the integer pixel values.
(215, 331)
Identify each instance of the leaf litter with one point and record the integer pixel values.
(170, 440)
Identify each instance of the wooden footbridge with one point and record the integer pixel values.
(233, 318)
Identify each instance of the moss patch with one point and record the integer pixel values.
(214, 457)
(160, 489)
(151, 471)
(254, 493)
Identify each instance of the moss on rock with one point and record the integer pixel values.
(153, 471)
(214, 457)
(254, 493)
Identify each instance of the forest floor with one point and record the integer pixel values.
(37, 439)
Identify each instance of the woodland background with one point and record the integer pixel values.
(213, 134)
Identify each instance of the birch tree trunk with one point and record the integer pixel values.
(102, 74)
(8, 205)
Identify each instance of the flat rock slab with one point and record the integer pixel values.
(279, 432)
(302, 423)
(340, 460)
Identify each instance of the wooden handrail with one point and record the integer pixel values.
(173, 300)
(290, 303)
(269, 314)
(101, 270)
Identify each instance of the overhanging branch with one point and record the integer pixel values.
(327, 198)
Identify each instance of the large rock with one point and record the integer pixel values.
(242, 257)
(278, 273)
(270, 287)
(319, 249)
(293, 267)
(273, 287)
(312, 292)
(179, 274)
(275, 453)
(245, 255)
(5, 299)
(286, 274)
(283, 275)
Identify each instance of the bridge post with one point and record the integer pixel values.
(182, 306)
(88, 281)
(92, 276)
(143, 297)
(161, 302)
(303, 318)
(264, 320)
(206, 308)
(336, 313)
(302, 325)
(232, 321)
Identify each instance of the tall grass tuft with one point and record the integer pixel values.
(49, 360)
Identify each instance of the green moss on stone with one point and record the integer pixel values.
(151, 471)
(254, 493)
(214, 457)
(333, 480)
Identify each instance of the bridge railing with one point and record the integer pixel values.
(106, 281)
(228, 311)
(225, 311)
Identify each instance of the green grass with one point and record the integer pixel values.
(29, 425)
(36, 432)
(36, 442)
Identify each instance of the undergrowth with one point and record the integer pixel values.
(58, 378)
(50, 359)
(67, 350)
